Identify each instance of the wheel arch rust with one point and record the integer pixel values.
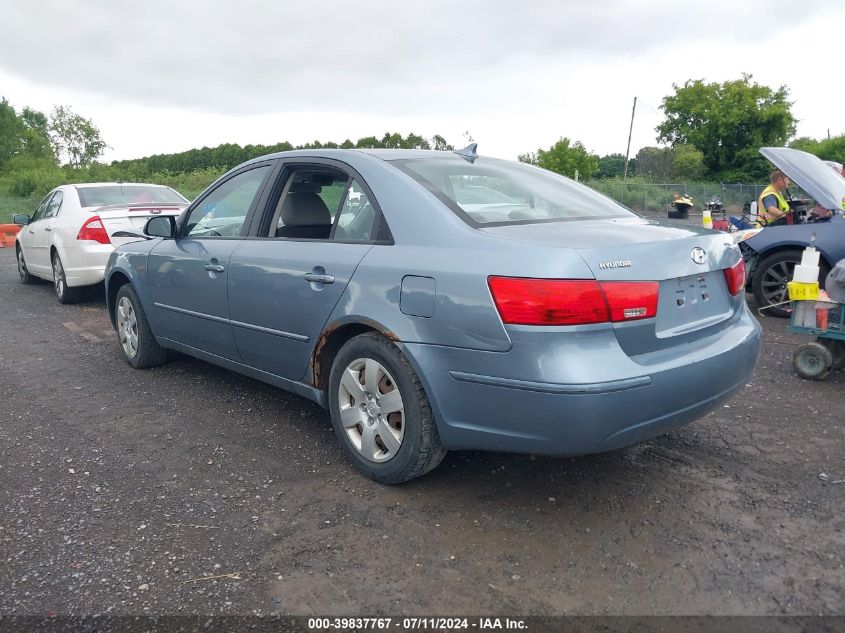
(333, 337)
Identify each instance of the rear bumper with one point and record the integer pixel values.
(86, 264)
(507, 401)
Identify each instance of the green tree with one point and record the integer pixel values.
(368, 142)
(36, 135)
(439, 143)
(529, 158)
(11, 130)
(681, 163)
(76, 140)
(655, 163)
(24, 140)
(613, 166)
(564, 157)
(687, 163)
(728, 122)
(827, 149)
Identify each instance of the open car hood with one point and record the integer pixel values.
(810, 173)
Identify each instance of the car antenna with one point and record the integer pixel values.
(468, 153)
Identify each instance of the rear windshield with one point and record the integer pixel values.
(491, 192)
(127, 194)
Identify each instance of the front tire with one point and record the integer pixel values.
(64, 294)
(139, 346)
(23, 271)
(380, 412)
(770, 278)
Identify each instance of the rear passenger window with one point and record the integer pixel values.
(322, 203)
(55, 205)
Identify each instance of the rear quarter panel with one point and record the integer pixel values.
(464, 314)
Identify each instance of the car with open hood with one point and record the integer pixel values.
(773, 252)
(437, 301)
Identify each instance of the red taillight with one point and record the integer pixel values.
(631, 300)
(735, 277)
(522, 301)
(94, 231)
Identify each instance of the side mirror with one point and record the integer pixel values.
(161, 226)
(21, 219)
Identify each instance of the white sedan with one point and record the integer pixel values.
(69, 238)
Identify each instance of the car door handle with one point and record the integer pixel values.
(31, 231)
(214, 268)
(316, 278)
(47, 228)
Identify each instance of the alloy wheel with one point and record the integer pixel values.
(774, 282)
(371, 410)
(127, 327)
(58, 276)
(21, 266)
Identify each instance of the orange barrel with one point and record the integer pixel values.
(7, 234)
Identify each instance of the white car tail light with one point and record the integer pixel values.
(94, 231)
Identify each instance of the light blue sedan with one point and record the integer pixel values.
(435, 301)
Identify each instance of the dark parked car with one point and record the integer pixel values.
(436, 301)
(772, 253)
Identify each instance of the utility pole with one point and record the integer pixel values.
(630, 131)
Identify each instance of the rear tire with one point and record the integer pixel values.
(770, 278)
(374, 392)
(64, 294)
(139, 346)
(23, 271)
(812, 361)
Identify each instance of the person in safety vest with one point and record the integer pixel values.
(772, 207)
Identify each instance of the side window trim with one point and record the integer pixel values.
(259, 195)
(340, 203)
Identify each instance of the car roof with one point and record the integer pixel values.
(340, 154)
(83, 185)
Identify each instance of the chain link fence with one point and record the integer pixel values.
(654, 199)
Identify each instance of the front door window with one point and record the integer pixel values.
(223, 212)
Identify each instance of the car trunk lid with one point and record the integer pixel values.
(687, 262)
(131, 218)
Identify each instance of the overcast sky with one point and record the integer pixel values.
(167, 75)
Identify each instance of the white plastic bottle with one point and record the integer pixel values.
(807, 272)
(707, 219)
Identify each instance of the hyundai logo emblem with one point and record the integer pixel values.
(699, 255)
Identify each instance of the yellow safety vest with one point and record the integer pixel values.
(763, 213)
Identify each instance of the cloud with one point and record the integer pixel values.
(426, 57)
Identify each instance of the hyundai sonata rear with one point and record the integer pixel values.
(614, 328)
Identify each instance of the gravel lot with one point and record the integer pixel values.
(120, 487)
